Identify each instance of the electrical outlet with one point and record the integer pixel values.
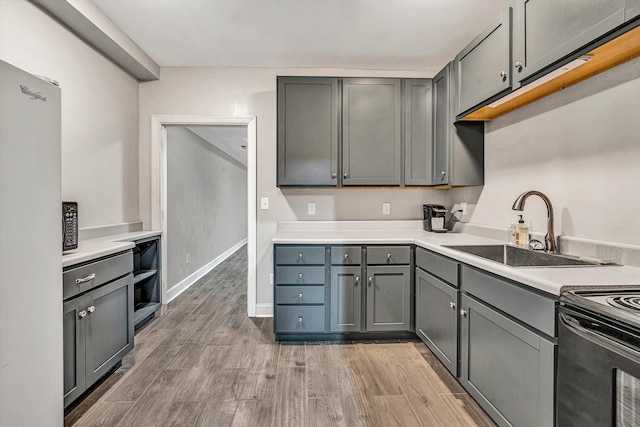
(386, 208)
(264, 203)
(311, 208)
(463, 207)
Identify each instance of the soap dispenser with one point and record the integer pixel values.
(522, 233)
(511, 232)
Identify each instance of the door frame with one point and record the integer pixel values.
(159, 186)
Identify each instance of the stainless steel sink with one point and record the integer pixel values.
(519, 257)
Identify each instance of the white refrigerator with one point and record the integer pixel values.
(31, 365)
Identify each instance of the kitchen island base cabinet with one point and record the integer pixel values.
(507, 368)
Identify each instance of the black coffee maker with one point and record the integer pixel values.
(434, 218)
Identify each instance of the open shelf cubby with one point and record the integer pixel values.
(146, 279)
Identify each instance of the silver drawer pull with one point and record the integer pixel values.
(82, 314)
(86, 279)
(370, 280)
(357, 280)
(299, 275)
(503, 74)
(388, 257)
(91, 309)
(463, 312)
(300, 255)
(300, 320)
(452, 305)
(334, 175)
(346, 256)
(518, 66)
(300, 295)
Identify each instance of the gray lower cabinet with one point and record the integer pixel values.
(346, 299)
(418, 131)
(371, 131)
(547, 31)
(308, 131)
(98, 332)
(437, 318)
(458, 147)
(484, 65)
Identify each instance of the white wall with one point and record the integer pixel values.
(206, 203)
(581, 147)
(252, 91)
(99, 112)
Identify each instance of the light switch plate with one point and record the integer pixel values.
(311, 208)
(386, 208)
(264, 203)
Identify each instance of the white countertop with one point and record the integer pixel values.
(552, 280)
(102, 246)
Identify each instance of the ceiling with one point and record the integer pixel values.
(420, 35)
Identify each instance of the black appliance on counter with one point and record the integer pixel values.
(69, 226)
(434, 218)
(598, 380)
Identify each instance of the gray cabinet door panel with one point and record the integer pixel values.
(308, 126)
(484, 66)
(73, 337)
(441, 127)
(346, 299)
(418, 130)
(437, 318)
(546, 31)
(388, 298)
(109, 326)
(508, 369)
(371, 133)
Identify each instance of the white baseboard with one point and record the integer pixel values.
(185, 283)
(264, 310)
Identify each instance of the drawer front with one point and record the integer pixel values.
(300, 275)
(299, 255)
(81, 279)
(346, 255)
(441, 267)
(299, 294)
(380, 255)
(299, 318)
(528, 307)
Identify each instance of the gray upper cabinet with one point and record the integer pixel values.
(418, 128)
(308, 131)
(371, 133)
(458, 147)
(547, 31)
(484, 66)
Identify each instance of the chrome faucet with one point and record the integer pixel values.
(549, 238)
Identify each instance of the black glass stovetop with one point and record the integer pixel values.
(621, 305)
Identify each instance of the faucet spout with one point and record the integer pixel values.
(518, 205)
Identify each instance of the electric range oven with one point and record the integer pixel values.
(598, 371)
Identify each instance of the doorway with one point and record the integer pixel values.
(159, 187)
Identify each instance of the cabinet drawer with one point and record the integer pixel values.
(299, 318)
(299, 276)
(388, 255)
(299, 294)
(528, 307)
(346, 255)
(81, 279)
(441, 267)
(299, 255)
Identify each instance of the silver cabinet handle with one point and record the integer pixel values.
(346, 256)
(463, 312)
(300, 295)
(299, 275)
(452, 305)
(370, 280)
(82, 314)
(503, 74)
(388, 257)
(91, 309)
(300, 255)
(334, 175)
(518, 66)
(300, 319)
(357, 280)
(346, 175)
(86, 279)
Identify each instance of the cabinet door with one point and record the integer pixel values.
(546, 31)
(388, 298)
(418, 131)
(441, 127)
(437, 318)
(506, 367)
(308, 116)
(346, 299)
(109, 323)
(484, 65)
(371, 132)
(73, 338)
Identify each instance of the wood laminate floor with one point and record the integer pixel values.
(205, 363)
